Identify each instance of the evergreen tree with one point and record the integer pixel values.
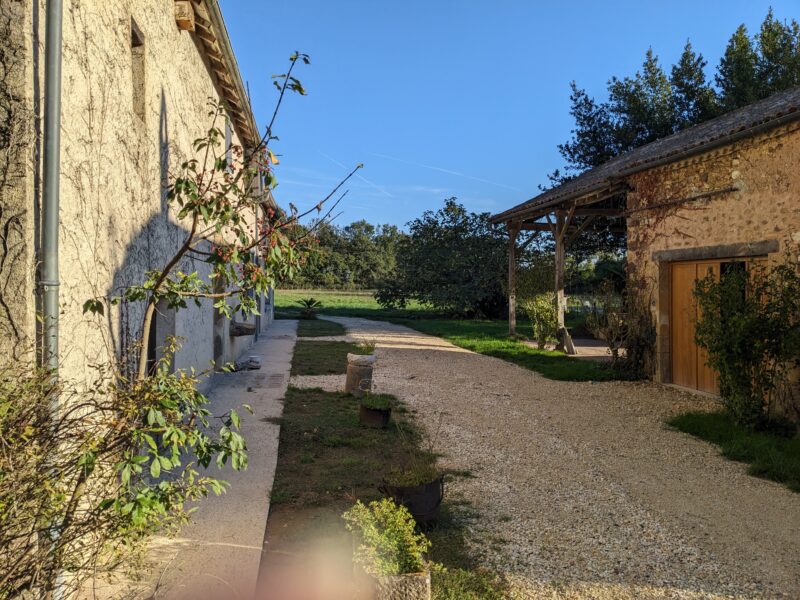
(642, 105)
(694, 100)
(778, 62)
(593, 138)
(737, 74)
(650, 105)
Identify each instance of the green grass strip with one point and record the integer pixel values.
(490, 338)
(312, 357)
(769, 456)
(319, 328)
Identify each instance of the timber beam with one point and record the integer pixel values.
(571, 230)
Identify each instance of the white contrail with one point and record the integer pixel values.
(448, 171)
(361, 177)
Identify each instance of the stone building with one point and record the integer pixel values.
(722, 192)
(137, 79)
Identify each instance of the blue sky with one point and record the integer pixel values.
(444, 98)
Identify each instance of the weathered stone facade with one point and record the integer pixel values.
(136, 93)
(740, 200)
(16, 185)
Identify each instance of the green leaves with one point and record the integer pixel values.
(94, 306)
(749, 327)
(388, 543)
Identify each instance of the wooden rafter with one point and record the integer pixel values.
(580, 229)
(204, 30)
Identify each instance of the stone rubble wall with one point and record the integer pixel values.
(764, 173)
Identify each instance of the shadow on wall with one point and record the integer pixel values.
(204, 333)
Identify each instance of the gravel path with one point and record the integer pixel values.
(582, 490)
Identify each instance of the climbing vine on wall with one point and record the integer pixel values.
(15, 134)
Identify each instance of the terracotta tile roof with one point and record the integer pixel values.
(742, 123)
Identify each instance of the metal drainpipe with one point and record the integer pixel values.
(49, 282)
(51, 175)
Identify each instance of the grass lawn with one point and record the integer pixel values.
(769, 456)
(322, 358)
(343, 304)
(318, 328)
(327, 460)
(491, 338)
(488, 337)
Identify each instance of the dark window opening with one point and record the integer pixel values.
(152, 347)
(138, 70)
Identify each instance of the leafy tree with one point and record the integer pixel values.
(452, 260)
(359, 255)
(88, 472)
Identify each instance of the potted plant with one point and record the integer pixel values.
(375, 410)
(360, 364)
(390, 550)
(419, 487)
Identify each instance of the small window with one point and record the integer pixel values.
(228, 144)
(137, 71)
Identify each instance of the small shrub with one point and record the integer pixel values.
(750, 329)
(309, 307)
(377, 401)
(365, 348)
(100, 469)
(626, 325)
(542, 312)
(388, 543)
(418, 472)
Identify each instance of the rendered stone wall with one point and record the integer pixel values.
(17, 308)
(115, 222)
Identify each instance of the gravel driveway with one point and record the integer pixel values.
(582, 491)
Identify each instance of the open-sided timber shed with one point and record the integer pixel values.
(727, 190)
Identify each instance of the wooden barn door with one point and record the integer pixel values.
(688, 360)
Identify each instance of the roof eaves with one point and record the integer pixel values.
(233, 91)
(570, 191)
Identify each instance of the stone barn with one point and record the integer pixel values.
(723, 192)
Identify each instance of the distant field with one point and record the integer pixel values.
(359, 303)
(488, 337)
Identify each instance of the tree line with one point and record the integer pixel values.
(654, 103)
(453, 260)
(355, 256)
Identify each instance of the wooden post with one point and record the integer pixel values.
(562, 223)
(513, 231)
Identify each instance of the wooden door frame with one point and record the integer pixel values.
(664, 260)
